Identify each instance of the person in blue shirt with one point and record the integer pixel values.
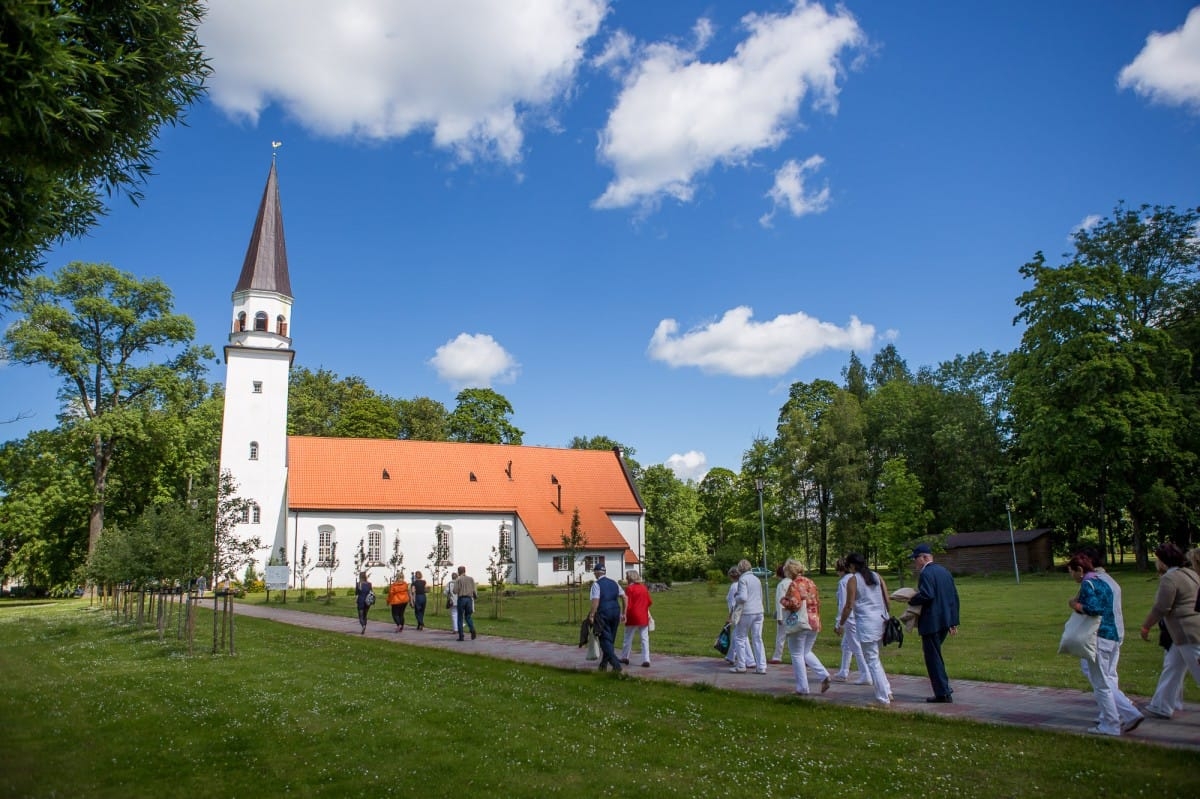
(1095, 598)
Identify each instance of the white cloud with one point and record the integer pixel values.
(691, 465)
(474, 360)
(1089, 222)
(1168, 68)
(789, 190)
(736, 345)
(676, 116)
(468, 71)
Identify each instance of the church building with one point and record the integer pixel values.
(425, 501)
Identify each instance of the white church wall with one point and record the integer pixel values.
(471, 541)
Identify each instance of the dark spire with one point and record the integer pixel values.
(266, 266)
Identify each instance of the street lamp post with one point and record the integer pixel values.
(1013, 542)
(762, 526)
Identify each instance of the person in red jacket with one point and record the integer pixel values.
(398, 600)
(637, 617)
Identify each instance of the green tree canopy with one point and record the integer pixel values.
(96, 327)
(482, 417)
(85, 88)
(1099, 381)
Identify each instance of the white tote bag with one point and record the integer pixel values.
(1079, 636)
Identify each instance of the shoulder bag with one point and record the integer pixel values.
(893, 629)
(1079, 636)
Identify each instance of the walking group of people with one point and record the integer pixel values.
(461, 593)
(1175, 614)
(863, 606)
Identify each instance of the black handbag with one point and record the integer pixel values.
(893, 632)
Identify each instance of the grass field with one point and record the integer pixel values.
(1009, 632)
(96, 708)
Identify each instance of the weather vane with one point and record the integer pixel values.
(275, 145)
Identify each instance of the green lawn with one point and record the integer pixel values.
(1009, 633)
(96, 708)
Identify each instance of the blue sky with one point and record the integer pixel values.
(646, 220)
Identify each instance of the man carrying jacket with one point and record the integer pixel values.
(937, 597)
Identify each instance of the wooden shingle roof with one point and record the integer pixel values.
(379, 475)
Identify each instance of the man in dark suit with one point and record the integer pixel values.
(938, 599)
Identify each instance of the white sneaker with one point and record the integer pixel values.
(737, 670)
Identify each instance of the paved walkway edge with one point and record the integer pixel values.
(1058, 709)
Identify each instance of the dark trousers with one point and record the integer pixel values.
(419, 609)
(466, 615)
(608, 623)
(398, 613)
(362, 615)
(931, 646)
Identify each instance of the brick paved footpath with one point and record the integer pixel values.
(997, 703)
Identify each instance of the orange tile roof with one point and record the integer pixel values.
(346, 474)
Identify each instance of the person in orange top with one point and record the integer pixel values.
(398, 600)
(800, 644)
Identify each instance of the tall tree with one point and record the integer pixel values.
(606, 444)
(424, 419)
(803, 483)
(842, 463)
(85, 89)
(482, 417)
(886, 366)
(1097, 414)
(45, 497)
(94, 325)
(675, 547)
(718, 501)
(900, 515)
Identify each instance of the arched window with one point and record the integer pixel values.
(253, 450)
(255, 513)
(240, 324)
(324, 546)
(281, 325)
(260, 321)
(245, 516)
(375, 545)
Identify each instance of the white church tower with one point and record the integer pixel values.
(258, 360)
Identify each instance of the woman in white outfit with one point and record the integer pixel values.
(734, 615)
(748, 599)
(867, 601)
(780, 633)
(851, 650)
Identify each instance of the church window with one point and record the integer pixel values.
(255, 513)
(244, 518)
(281, 325)
(324, 546)
(260, 321)
(253, 450)
(257, 386)
(375, 545)
(444, 544)
(240, 324)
